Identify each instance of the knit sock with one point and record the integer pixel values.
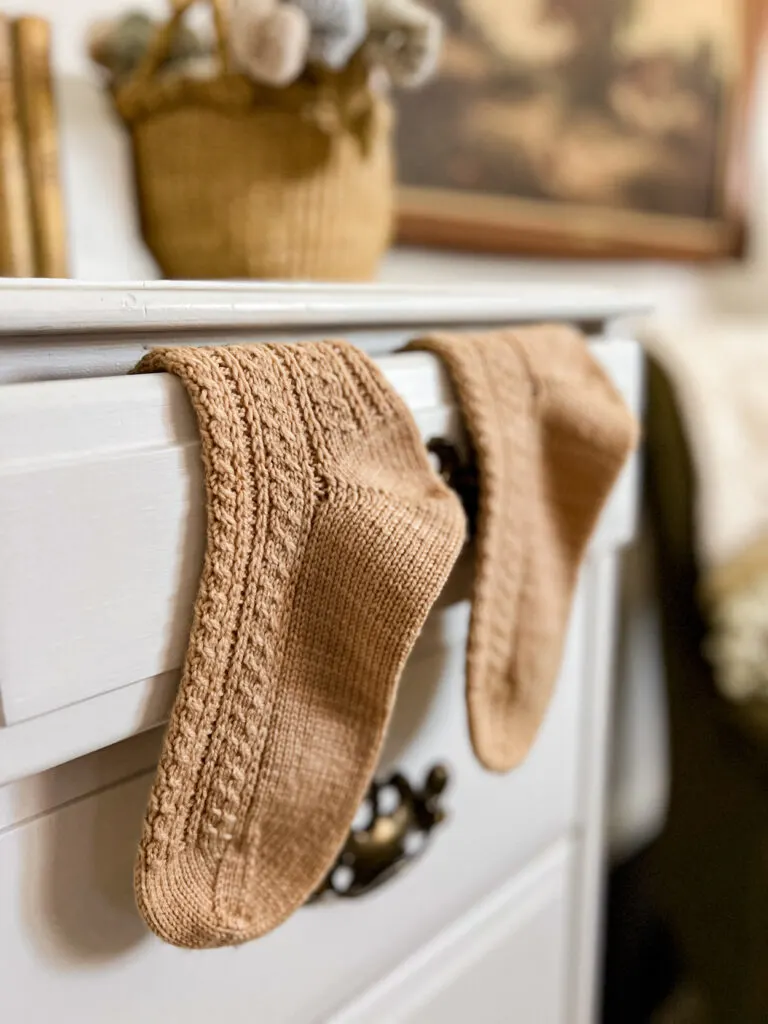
(329, 538)
(550, 435)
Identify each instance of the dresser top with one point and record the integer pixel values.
(66, 307)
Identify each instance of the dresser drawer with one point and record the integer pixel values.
(75, 949)
(506, 960)
(71, 833)
(101, 543)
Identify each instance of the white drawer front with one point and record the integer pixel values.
(101, 542)
(75, 950)
(69, 841)
(506, 960)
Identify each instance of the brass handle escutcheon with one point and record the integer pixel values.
(402, 819)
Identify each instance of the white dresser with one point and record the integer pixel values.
(101, 539)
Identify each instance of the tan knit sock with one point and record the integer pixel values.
(550, 435)
(329, 538)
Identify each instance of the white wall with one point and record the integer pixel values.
(104, 231)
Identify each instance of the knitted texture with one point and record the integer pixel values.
(329, 538)
(550, 435)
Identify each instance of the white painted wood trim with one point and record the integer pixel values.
(45, 307)
(587, 921)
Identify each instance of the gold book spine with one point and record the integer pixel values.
(17, 250)
(40, 135)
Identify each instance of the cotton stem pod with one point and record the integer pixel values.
(120, 44)
(269, 41)
(404, 38)
(338, 28)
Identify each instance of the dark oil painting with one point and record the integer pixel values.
(618, 105)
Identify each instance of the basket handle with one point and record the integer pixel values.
(160, 47)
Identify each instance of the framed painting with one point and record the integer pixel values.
(602, 128)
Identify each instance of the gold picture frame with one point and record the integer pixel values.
(596, 128)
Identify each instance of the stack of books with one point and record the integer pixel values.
(32, 227)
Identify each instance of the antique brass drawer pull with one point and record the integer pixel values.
(459, 474)
(402, 819)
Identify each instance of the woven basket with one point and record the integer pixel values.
(237, 180)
